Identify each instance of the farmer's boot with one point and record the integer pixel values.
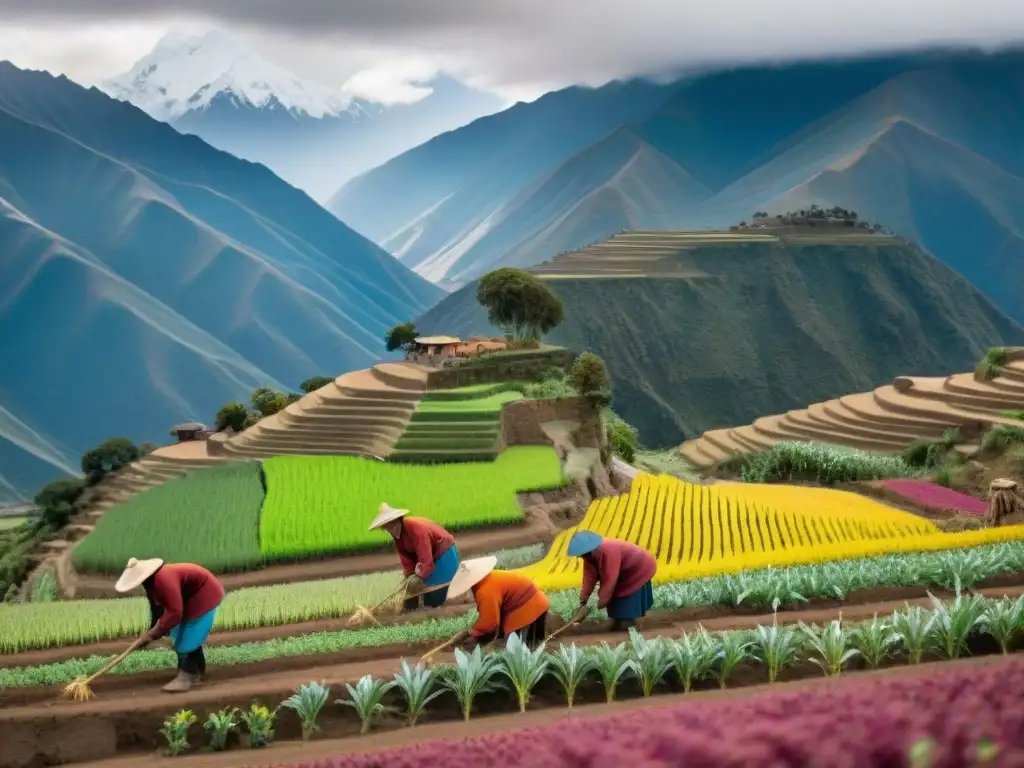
(182, 683)
(189, 665)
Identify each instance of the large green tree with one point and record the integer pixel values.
(519, 303)
(108, 457)
(401, 336)
(589, 377)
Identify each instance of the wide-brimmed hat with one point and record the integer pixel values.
(136, 572)
(470, 573)
(387, 515)
(582, 543)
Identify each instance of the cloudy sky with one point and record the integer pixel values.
(519, 48)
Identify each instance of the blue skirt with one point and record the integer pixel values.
(191, 634)
(632, 606)
(445, 568)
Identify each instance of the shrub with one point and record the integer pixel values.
(108, 457)
(1001, 438)
(814, 462)
(622, 436)
(314, 383)
(57, 500)
(589, 377)
(992, 364)
(233, 415)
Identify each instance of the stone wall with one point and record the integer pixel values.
(521, 421)
(522, 366)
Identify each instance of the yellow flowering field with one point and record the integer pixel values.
(703, 530)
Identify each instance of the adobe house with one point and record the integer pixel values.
(479, 345)
(190, 431)
(436, 346)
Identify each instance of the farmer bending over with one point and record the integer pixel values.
(183, 600)
(624, 571)
(506, 601)
(427, 552)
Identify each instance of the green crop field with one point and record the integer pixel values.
(7, 523)
(210, 517)
(472, 401)
(323, 504)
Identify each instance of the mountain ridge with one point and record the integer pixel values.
(741, 135)
(152, 278)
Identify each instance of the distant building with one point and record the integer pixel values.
(437, 349)
(436, 346)
(190, 431)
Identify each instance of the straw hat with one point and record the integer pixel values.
(470, 573)
(387, 515)
(582, 543)
(136, 572)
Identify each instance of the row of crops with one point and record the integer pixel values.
(912, 634)
(222, 518)
(45, 625)
(698, 530)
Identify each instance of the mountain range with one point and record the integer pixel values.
(925, 144)
(313, 136)
(148, 278)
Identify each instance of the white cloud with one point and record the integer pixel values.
(518, 48)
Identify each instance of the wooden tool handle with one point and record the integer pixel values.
(562, 629)
(117, 660)
(404, 583)
(447, 643)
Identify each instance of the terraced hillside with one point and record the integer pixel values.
(885, 419)
(461, 424)
(362, 413)
(702, 330)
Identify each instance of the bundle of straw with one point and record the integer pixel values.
(79, 690)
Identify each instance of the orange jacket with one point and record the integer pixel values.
(507, 600)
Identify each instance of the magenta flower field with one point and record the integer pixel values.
(935, 496)
(971, 716)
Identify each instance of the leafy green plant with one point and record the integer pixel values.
(1003, 619)
(367, 699)
(44, 590)
(875, 641)
(991, 366)
(1001, 438)
(953, 623)
(419, 687)
(913, 628)
(832, 646)
(220, 724)
(259, 722)
(733, 649)
(693, 656)
(474, 673)
(570, 665)
(813, 462)
(307, 702)
(611, 663)
(652, 659)
(776, 647)
(524, 668)
(175, 730)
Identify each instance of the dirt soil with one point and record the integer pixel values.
(128, 721)
(39, 728)
(295, 753)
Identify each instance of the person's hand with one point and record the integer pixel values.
(581, 613)
(414, 585)
(470, 643)
(144, 642)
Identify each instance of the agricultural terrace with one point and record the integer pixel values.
(223, 518)
(700, 530)
(7, 523)
(462, 424)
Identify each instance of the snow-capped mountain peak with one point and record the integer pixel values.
(186, 72)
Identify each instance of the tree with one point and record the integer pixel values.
(57, 499)
(268, 401)
(589, 377)
(621, 436)
(401, 336)
(108, 457)
(519, 303)
(314, 383)
(233, 415)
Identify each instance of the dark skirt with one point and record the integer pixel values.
(532, 634)
(632, 606)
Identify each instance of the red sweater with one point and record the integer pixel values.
(185, 592)
(421, 542)
(621, 567)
